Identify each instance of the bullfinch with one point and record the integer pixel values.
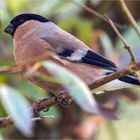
(34, 34)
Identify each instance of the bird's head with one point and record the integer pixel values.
(21, 19)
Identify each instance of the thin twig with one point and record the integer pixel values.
(130, 17)
(22, 67)
(39, 105)
(25, 64)
(109, 78)
(42, 117)
(7, 121)
(126, 46)
(97, 14)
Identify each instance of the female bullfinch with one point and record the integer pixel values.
(33, 35)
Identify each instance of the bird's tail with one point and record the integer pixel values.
(131, 79)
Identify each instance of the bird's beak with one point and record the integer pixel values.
(9, 28)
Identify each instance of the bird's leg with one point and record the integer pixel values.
(62, 100)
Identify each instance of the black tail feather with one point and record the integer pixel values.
(130, 79)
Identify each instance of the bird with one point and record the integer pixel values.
(34, 34)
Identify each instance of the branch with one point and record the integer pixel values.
(46, 103)
(24, 65)
(130, 17)
(126, 46)
(96, 14)
(38, 106)
(109, 78)
(7, 121)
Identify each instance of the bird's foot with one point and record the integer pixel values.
(37, 114)
(62, 100)
(35, 110)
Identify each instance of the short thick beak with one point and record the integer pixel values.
(9, 29)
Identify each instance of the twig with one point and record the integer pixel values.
(38, 106)
(130, 17)
(126, 46)
(24, 65)
(41, 118)
(109, 78)
(96, 14)
(7, 121)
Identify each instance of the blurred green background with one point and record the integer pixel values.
(72, 123)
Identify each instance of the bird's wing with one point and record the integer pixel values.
(75, 50)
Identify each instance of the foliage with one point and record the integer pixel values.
(75, 86)
(18, 108)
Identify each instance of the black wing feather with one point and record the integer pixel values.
(98, 60)
(90, 57)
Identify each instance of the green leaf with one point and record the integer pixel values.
(30, 90)
(18, 108)
(76, 87)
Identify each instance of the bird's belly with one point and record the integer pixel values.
(87, 73)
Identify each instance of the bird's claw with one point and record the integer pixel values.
(62, 100)
(37, 114)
